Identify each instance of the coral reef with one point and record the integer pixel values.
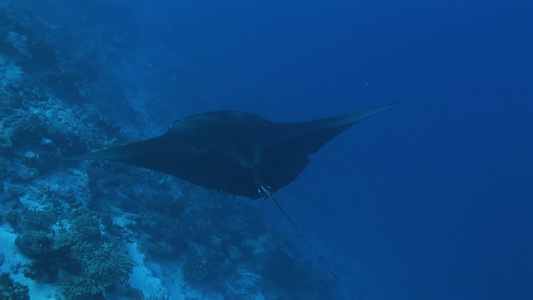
(10, 290)
(3, 164)
(34, 244)
(92, 263)
(72, 220)
(100, 269)
(195, 269)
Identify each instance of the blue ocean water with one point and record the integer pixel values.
(430, 200)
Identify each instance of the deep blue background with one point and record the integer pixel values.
(430, 200)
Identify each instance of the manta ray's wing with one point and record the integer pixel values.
(121, 153)
(310, 136)
(286, 156)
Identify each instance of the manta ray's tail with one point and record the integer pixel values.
(266, 194)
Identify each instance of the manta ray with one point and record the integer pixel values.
(236, 152)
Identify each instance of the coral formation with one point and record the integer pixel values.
(3, 164)
(34, 244)
(29, 129)
(41, 219)
(99, 269)
(10, 290)
(195, 269)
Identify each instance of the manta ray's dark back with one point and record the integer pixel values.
(236, 152)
